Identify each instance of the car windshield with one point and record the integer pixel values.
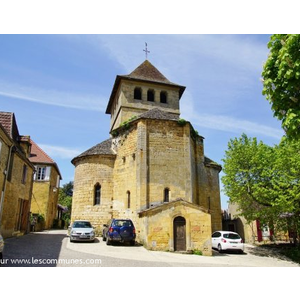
(82, 225)
(121, 223)
(232, 236)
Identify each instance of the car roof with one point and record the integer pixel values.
(221, 231)
(82, 221)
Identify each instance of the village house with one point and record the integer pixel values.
(250, 232)
(152, 169)
(44, 203)
(16, 176)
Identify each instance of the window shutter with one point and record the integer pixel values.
(47, 175)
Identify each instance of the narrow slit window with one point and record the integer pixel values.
(163, 97)
(128, 199)
(138, 93)
(150, 95)
(24, 174)
(97, 196)
(166, 195)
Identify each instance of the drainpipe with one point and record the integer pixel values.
(4, 183)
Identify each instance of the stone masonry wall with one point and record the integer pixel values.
(15, 193)
(88, 172)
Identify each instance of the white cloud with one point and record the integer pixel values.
(60, 152)
(229, 124)
(52, 97)
(179, 52)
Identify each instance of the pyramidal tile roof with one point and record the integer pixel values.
(146, 71)
(38, 155)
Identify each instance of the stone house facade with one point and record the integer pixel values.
(152, 170)
(46, 183)
(16, 175)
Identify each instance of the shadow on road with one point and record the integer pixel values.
(38, 249)
(226, 253)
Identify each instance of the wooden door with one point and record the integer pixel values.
(179, 234)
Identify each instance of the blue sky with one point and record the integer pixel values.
(58, 87)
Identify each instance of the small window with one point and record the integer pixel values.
(138, 93)
(128, 199)
(10, 168)
(166, 195)
(24, 174)
(41, 173)
(163, 97)
(150, 95)
(97, 194)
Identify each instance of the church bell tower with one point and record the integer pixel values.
(143, 89)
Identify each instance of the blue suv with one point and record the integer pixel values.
(119, 230)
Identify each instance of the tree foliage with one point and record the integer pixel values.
(281, 80)
(264, 181)
(65, 199)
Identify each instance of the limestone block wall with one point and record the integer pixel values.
(5, 143)
(88, 172)
(45, 198)
(125, 202)
(168, 161)
(16, 205)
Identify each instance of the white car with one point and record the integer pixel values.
(227, 240)
(81, 231)
(1, 246)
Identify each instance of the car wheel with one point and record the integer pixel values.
(220, 248)
(132, 243)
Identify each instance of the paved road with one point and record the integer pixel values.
(53, 248)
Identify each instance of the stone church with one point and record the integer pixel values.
(152, 169)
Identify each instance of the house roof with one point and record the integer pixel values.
(145, 72)
(104, 148)
(166, 205)
(39, 156)
(8, 122)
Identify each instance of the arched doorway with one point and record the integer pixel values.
(179, 234)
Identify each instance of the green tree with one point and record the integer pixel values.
(65, 199)
(264, 181)
(281, 81)
(247, 177)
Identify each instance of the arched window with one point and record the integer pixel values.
(150, 95)
(163, 97)
(166, 195)
(138, 93)
(97, 194)
(128, 199)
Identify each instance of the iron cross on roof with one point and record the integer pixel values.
(146, 51)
